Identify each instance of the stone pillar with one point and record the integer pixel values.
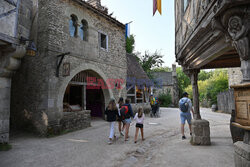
(5, 88)
(200, 127)
(242, 151)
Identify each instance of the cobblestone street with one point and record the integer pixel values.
(163, 146)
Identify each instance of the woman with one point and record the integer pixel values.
(111, 112)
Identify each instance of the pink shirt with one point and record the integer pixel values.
(139, 120)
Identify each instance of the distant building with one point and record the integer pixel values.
(166, 82)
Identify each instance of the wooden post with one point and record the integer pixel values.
(196, 104)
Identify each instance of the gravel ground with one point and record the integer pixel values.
(163, 146)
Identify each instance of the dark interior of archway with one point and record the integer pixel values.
(75, 99)
(95, 102)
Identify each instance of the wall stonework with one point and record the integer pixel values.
(234, 76)
(36, 87)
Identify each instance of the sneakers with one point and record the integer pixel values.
(183, 137)
(190, 134)
(110, 141)
(121, 133)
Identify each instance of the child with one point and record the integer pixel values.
(111, 112)
(139, 117)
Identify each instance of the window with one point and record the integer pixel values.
(83, 31)
(73, 26)
(185, 4)
(103, 41)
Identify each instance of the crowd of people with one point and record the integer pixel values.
(123, 114)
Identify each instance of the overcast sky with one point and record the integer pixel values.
(151, 32)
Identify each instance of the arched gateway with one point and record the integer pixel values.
(85, 92)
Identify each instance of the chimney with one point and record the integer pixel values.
(97, 4)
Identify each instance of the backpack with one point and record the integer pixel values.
(124, 112)
(183, 105)
(152, 102)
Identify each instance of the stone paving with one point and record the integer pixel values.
(163, 146)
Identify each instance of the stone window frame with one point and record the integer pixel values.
(84, 23)
(74, 23)
(99, 40)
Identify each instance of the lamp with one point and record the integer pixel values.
(31, 49)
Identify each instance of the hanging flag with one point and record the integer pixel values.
(156, 6)
(127, 30)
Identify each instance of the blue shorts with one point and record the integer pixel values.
(127, 121)
(185, 116)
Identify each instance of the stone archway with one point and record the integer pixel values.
(107, 93)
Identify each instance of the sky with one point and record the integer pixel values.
(151, 32)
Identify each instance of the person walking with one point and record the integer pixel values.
(139, 118)
(185, 106)
(126, 113)
(111, 112)
(121, 125)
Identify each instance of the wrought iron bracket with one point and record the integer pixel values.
(59, 62)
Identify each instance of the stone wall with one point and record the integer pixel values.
(234, 76)
(225, 101)
(15, 23)
(75, 120)
(36, 87)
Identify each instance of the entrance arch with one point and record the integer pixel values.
(101, 95)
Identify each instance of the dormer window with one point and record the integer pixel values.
(83, 31)
(73, 26)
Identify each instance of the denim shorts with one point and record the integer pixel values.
(127, 121)
(185, 116)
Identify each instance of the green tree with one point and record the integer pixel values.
(183, 80)
(217, 83)
(149, 61)
(130, 42)
(204, 75)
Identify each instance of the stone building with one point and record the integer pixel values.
(167, 84)
(81, 63)
(213, 34)
(15, 23)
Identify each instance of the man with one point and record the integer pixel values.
(185, 106)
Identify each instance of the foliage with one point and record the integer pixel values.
(165, 99)
(204, 75)
(183, 80)
(209, 88)
(5, 147)
(217, 83)
(162, 69)
(130, 42)
(149, 61)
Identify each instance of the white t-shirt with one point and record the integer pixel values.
(139, 120)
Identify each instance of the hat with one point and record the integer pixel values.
(185, 94)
